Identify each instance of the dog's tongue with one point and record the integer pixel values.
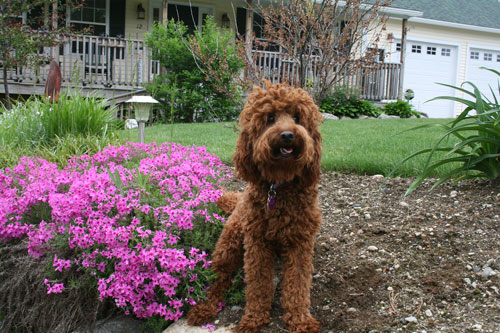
(287, 150)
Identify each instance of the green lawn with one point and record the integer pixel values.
(361, 146)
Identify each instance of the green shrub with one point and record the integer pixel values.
(347, 102)
(400, 108)
(477, 153)
(75, 125)
(191, 85)
(368, 109)
(37, 121)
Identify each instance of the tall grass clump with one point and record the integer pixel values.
(477, 152)
(72, 126)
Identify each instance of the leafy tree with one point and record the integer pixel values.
(20, 42)
(333, 38)
(200, 71)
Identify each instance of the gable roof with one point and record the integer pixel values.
(483, 13)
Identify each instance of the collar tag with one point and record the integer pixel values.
(271, 196)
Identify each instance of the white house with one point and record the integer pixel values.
(447, 44)
(446, 41)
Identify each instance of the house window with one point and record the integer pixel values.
(398, 47)
(488, 56)
(498, 57)
(91, 15)
(445, 52)
(474, 55)
(431, 50)
(416, 48)
(380, 57)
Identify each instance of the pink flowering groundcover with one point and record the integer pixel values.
(140, 220)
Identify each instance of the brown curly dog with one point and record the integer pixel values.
(278, 153)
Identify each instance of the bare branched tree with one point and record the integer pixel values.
(323, 39)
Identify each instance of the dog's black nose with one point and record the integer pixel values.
(286, 136)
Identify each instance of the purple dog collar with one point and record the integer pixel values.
(271, 195)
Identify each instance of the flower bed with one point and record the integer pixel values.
(139, 220)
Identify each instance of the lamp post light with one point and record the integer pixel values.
(142, 107)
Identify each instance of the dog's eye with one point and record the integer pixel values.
(296, 118)
(270, 119)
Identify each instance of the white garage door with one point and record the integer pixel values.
(426, 65)
(482, 78)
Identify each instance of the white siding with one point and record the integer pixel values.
(463, 38)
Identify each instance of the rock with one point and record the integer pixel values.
(477, 327)
(326, 307)
(403, 204)
(384, 116)
(363, 117)
(115, 325)
(453, 194)
(487, 272)
(181, 326)
(467, 281)
(130, 124)
(378, 177)
(411, 319)
(345, 118)
(372, 248)
(428, 313)
(368, 216)
(329, 116)
(352, 310)
(236, 308)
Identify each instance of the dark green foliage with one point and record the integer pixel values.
(400, 108)
(477, 152)
(199, 92)
(347, 102)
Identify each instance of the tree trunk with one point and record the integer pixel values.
(6, 87)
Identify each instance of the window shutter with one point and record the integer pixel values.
(117, 18)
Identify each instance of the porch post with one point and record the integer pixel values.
(249, 32)
(402, 59)
(54, 51)
(164, 11)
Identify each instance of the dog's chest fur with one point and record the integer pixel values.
(294, 211)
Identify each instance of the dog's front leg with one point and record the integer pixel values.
(296, 285)
(259, 272)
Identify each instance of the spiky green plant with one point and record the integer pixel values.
(477, 152)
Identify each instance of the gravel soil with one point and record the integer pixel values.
(428, 262)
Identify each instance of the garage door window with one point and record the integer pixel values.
(498, 57)
(445, 52)
(431, 50)
(474, 55)
(416, 48)
(488, 56)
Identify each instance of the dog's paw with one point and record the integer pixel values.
(309, 325)
(201, 314)
(252, 324)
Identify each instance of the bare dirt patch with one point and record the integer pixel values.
(387, 263)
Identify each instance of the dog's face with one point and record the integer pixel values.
(279, 138)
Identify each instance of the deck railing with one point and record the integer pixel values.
(92, 61)
(378, 81)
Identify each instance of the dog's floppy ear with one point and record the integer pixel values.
(311, 172)
(242, 158)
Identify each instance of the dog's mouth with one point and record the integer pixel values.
(285, 152)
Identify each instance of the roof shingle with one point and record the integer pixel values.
(483, 13)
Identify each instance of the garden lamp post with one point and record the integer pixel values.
(142, 107)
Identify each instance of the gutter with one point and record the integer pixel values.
(454, 25)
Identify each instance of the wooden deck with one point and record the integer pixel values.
(117, 68)
(112, 66)
(376, 82)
